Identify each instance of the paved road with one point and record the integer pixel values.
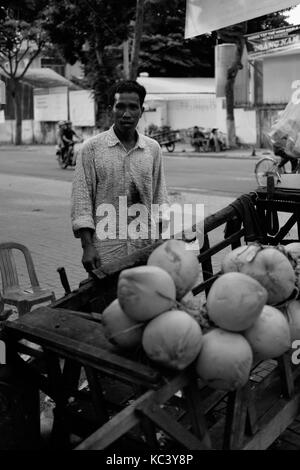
(201, 174)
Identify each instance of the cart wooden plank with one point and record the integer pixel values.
(278, 419)
(128, 418)
(63, 332)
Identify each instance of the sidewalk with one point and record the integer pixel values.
(186, 150)
(181, 150)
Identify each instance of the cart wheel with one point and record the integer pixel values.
(170, 147)
(265, 167)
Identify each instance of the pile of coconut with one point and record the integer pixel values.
(251, 309)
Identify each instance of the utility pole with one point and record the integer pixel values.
(138, 30)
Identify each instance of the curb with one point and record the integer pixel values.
(244, 155)
(210, 155)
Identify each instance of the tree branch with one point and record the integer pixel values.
(17, 62)
(35, 54)
(10, 63)
(98, 49)
(25, 52)
(2, 68)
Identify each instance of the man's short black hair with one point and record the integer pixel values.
(126, 86)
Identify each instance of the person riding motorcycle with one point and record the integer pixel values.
(67, 136)
(59, 141)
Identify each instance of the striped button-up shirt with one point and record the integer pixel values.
(107, 176)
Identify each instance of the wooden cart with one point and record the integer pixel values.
(167, 137)
(129, 403)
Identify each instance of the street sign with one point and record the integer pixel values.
(205, 16)
(273, 41)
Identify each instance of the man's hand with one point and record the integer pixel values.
(90, 258)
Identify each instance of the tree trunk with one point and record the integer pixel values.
(229, 92)
(99, 49)
(126, 59)
(17, 99)
(138, 31)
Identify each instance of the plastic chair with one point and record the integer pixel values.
(12, 293)
(4, 313)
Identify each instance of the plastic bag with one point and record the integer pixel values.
(285, 133)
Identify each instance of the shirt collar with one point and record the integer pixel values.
(113, 139)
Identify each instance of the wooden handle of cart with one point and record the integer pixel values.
(64, 280)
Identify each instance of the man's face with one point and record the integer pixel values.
(127, 111)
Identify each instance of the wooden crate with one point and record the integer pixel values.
(130, 403)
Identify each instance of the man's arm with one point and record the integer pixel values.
(82, 206)
(66, 140)
(77, 136)
(160, 193)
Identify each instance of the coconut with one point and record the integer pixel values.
(293, 249)
(225, 360)
(270, 335)
(173, 339)
(146, 291)
(293, 316)
(119, 329)
(180, 262)
(235, 300)
(268, 266)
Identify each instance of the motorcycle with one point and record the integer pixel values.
(69, 156)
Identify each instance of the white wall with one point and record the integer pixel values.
(245, 122)
(7, 131)
(34, 132)
(155, 113)
(201, 111)
(278, 74)
(181, 114)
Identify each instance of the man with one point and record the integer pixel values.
(198, 138)
(280, 152)
(67, 136)
(59, 134)
(116, 165)
(214, 142)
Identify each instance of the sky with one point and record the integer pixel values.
(294, 15)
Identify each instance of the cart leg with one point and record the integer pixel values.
(97, 395)
(286, 375)
(197, 417)
(149, 430)
(168, 424)
(147, 426)
(298, 221)
(235, 423)
(19, 410)
(60, 431)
